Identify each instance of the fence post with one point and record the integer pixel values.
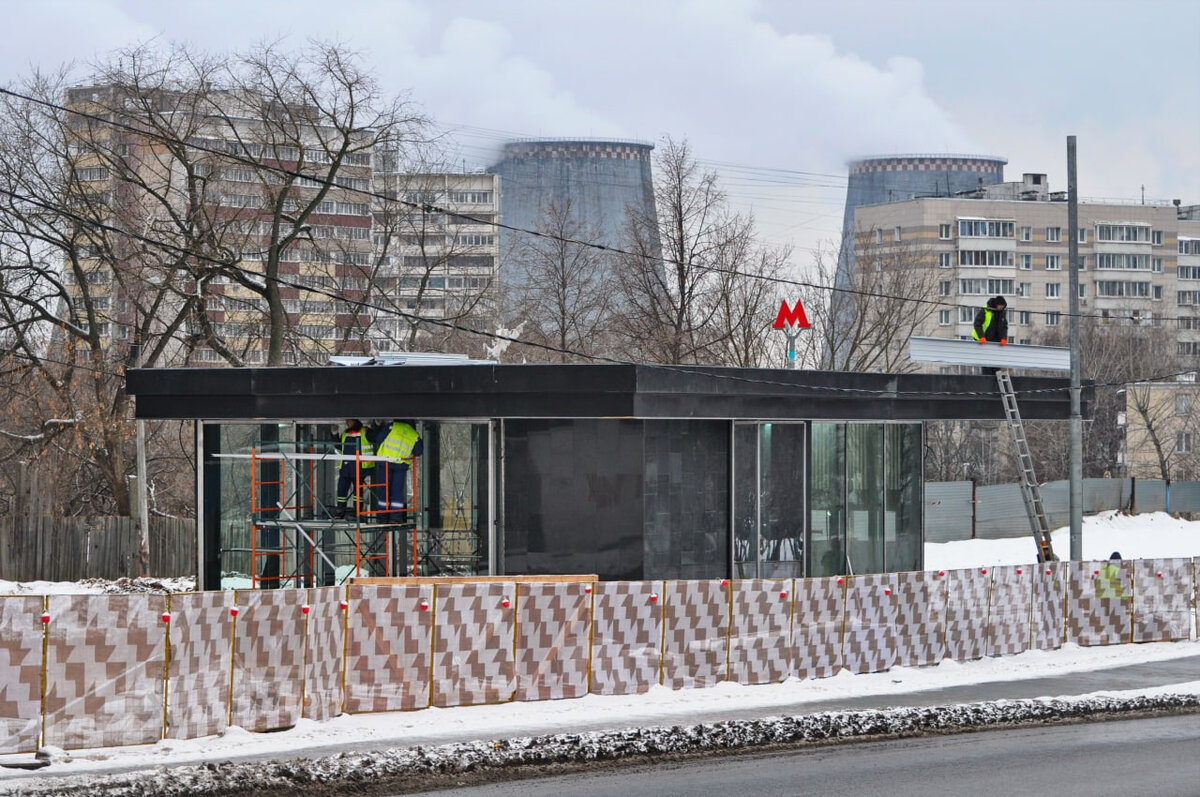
(1133, 495)
(974, 509)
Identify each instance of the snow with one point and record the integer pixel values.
(1154, 535)
(462, 734)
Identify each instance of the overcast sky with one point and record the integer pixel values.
(775, 94)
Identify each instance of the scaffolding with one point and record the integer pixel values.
(298, 539)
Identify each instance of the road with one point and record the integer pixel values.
(1159, 756)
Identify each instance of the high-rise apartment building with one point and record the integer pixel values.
(1139, 263)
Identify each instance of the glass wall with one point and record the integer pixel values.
(866, 510)
(269, 515)
(769, 500)
(827, 515)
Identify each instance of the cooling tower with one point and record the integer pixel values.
(601, 178)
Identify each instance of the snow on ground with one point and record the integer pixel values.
(1143, 536)
(1154, 535)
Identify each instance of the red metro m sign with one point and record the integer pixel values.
(791, 316)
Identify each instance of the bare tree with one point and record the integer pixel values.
(562, 289)
(890, 296)
(182, 203)
(677, 261)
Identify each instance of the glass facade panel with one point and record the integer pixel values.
(827, 488)
(903, 500)
(864, 497)
(781, 485)
(745, 496)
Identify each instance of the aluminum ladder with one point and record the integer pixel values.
(1030, 490)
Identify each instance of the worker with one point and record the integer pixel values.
(398, 445)
(355, 443)
(1108, 583)
(991, 324)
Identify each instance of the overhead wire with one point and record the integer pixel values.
(416, 318)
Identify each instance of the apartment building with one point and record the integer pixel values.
(220, 202)
(1139, 263)
(438, 252)
(1161, 421)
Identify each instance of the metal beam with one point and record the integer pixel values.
(991, 355)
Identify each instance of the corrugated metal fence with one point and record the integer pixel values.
(965, 511)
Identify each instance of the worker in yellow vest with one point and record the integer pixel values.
(1108, 583)
(398, 446)
(356, 443)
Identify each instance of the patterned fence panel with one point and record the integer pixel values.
(626, 637)
(21, 635)
(105, 662)
(1162, 606)
(201, 658)
(1011, 604)
(818, 625)
(389, 644)
(473, 658)
(554, 623)
(268, 659)
(967, 593)
(760, 640)
(871, 616)
(696, 636)
(920, 619)
(1091, 619)
(1048, 613)
(324, 653)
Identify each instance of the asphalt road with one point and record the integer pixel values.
(1158, 756)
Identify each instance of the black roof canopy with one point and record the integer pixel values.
(581, 391)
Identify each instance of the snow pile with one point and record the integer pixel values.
(100, 586)
(496, 759)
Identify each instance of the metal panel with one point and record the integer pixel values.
(947, 511)
(1185, 496)
(1150, 495)
(970, 352)
(1001, 513)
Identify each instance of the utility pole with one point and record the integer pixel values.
(1076, 428)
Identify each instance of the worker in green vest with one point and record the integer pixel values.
(354, 443)
(398, 446)
(1108, 583)
(991, 324)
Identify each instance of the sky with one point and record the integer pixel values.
(775, 95)
(1151, 535)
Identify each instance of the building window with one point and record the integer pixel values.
(1123, 233)
(1053, 262)
(1158, 292)
(1052, 290)
(1183, 443)
(984, 257)
(1083, 235)
(1082, 291)
(1156, 265)
(1052, 319)
(983, 228)
(944, 232)
(945, 260)
(879, 236)
(1187, 298)
(1025, 289)
(1183, 403)
(944, 288)
(966, 315)
(1053, 235)
(1113, 288)
(1026, 233)
(943, 318)
(1026, 262)
(896, 234)
(1024, 317)
(1156, 237)
(1108, 261)
(980, 286)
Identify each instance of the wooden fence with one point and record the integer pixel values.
(43, 548)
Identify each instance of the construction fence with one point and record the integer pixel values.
(963, 510)
(80, 671)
